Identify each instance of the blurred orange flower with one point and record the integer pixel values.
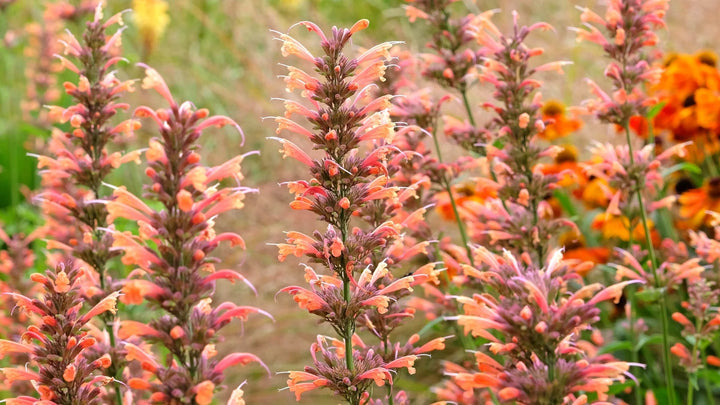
(690, 90)
(557, 123)
(566, 167)
(576, 248)
(618, 227)
(596, 193)
(463, 193)
(695, 203)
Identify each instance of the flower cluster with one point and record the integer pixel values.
(61, 342)
(173, 253)
(633, 176)
(43, 67)
(539, 314)
(453, 63)
(688, 90)
(523, 220)
(151, 18)
(350, 179)
(628, 26)
(79, 160)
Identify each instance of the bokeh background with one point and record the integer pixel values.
(220, 55)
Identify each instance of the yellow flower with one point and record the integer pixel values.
(613, 226)
(151, 18)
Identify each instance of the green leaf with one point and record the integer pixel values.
(430, 325)
(665, 225)
(616, 347)
(653, 339)
(654, 110)
(684, 166)
(661, 395)
(620, 388)
(565, 202)
(711, 376)
(649, 295)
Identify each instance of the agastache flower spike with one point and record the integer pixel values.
(59, 344)
(539, 315)
(628, 26)
(526, 224)
(73, 175)
(45, 43)
(175, 255)
(348, 179)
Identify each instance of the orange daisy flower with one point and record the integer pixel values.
(689, 87)
(618, 227)
(695, 203)
(557, 123)
(566, 165)
(463, 193)
(576, 248)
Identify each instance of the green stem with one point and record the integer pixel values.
(448, 189)
(471, 118)
(690, 394)
(653, 267)
(691, 388)
(634, 355)
(118, 394)
(708, 389)
(464, 339)
(348, 330)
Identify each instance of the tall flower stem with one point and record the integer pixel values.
(708, 390)
(448, 189)
(691, 387)
(633, 341)
(463, 235)
(466, 102)
(653, 267)
(349, 326)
